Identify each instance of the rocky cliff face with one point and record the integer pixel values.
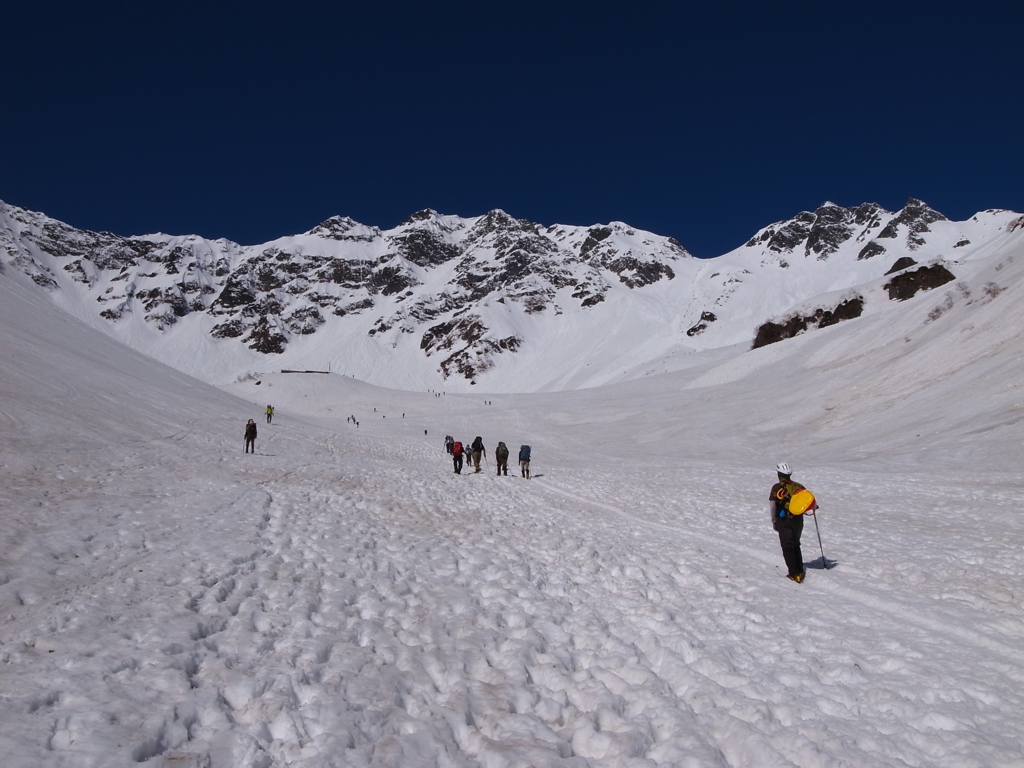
(821, 233)
(425, 278)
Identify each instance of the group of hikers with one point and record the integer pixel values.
(476, 451)
(787, 521)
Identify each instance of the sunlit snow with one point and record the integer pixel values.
(342, 598)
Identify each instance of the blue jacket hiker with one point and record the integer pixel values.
(524, 461)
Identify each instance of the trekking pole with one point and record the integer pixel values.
(817, 529)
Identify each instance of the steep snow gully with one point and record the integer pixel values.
(342, 598)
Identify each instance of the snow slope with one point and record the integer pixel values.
(341, 598)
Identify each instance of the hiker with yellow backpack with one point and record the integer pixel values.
(787, 503)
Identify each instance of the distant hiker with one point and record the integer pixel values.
(478, 451)
(524, 461)
(250, 436)
(449, 441)
(501, 458)
(270, 413)
(788, 525)
(457, 456)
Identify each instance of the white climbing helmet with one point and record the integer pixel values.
(783, 468)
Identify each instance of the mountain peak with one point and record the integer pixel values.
(333, 228)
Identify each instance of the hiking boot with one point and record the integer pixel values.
(798, 578)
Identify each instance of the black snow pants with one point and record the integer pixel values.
(790, 528)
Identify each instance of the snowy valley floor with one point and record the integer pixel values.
(341, 598)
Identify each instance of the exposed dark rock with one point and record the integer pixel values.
(467, 329)
(77, 271)
(337, 228)
(425, 248)
(305, 320)
(354, 308)
(266, 339)
(594, 236)
(236, 293)
(499, 221)
(903, 262)
(350, 273)
(868, 215)
(706, 318)
(916, 216)
(322, 299)
(907, 284)
(534, 303)
(777, 330)
(267, 305)
(635, 273)
(789, 235)
(425, 215)
(390, 280)
(870, 250)
(829, 231)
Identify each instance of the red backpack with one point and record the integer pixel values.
(457, 449)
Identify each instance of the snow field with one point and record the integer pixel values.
(341, 598)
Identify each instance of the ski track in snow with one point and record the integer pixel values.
(345, 600)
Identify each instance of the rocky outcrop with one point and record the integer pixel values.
(821, 233)
(792, 325)
(907, 284)
(915, 219)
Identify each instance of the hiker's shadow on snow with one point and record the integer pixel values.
(538, 475)
(821, 564)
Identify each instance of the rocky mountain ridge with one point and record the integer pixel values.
(491, 299)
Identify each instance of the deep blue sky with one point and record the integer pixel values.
(251, 120)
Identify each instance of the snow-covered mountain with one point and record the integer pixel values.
(446, 302)
(341, 597)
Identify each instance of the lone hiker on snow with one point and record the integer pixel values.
(250, 436)
(788, 525)
(270, 413)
